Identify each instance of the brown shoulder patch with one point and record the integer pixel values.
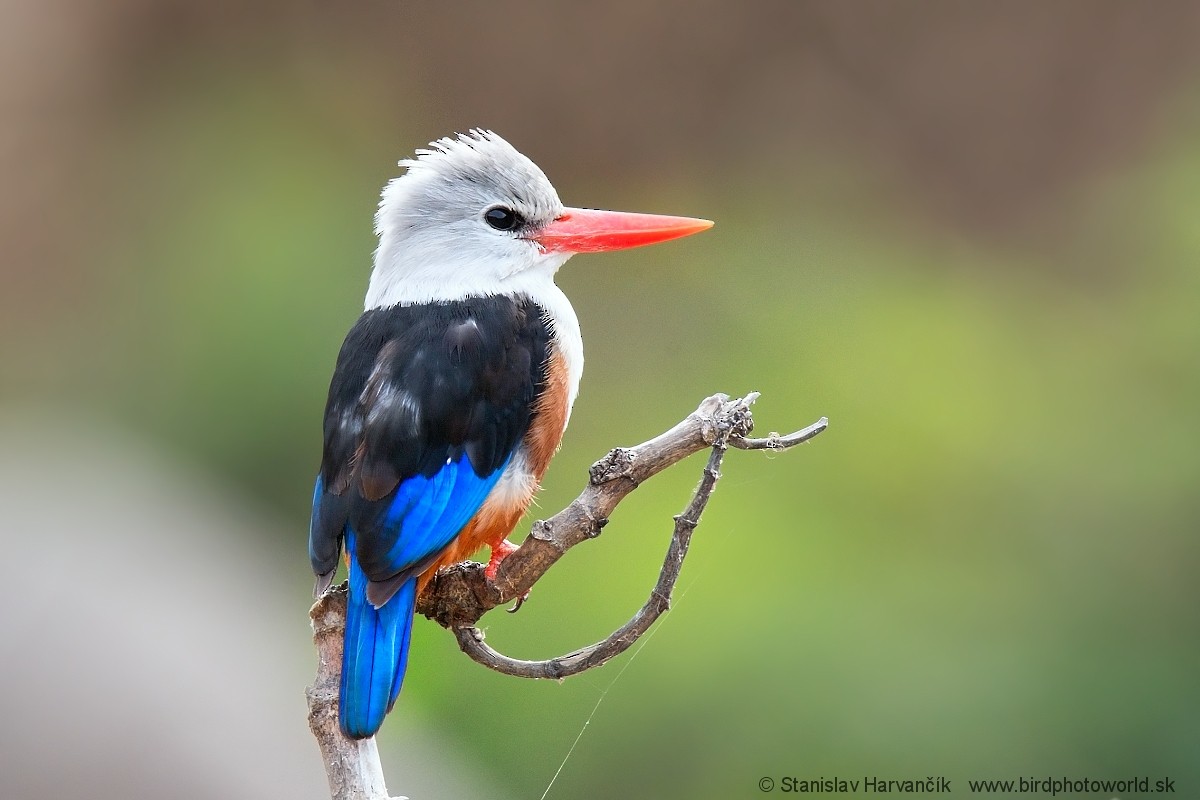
(545, 432)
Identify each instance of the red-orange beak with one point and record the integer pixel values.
(584, 230)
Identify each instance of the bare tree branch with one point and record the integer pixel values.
(731, 420)
(776, 442)
(458, 596)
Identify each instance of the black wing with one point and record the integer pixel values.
(416, 390)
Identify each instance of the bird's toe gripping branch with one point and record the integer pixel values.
(500, 551)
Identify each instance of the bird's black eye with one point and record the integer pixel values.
(503, 219)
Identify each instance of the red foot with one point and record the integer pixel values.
(500, 551)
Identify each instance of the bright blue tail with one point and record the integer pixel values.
(374, 655)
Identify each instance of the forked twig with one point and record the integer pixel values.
(730, 421)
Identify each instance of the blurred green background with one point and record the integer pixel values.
(968, 234)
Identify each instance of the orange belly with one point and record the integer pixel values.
(509, 500)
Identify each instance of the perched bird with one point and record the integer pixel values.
(452, 391)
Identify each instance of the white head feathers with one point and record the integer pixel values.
(435, 242)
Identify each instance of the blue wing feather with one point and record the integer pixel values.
(427, 514)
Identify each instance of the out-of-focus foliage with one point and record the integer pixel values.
(985, 568)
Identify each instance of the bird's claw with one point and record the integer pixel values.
(520, 602)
